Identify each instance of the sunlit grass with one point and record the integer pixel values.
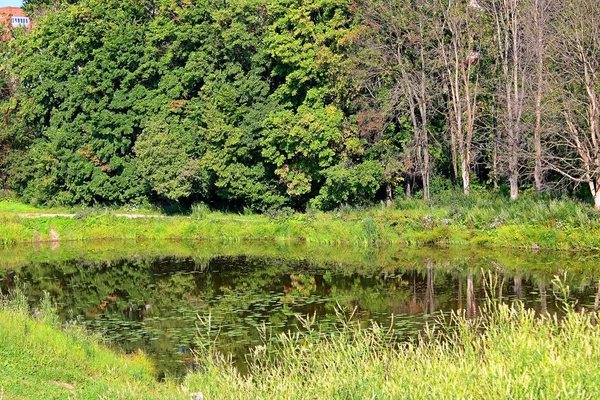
(507, 353)
(7, 206)
(483, 219)
(43, 361)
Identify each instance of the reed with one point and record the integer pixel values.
(507, 353)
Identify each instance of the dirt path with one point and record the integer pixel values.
(130, 216)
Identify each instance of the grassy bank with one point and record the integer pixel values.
(506, 353)
(39, 360)
(483, 219)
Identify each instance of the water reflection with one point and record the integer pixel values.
(153, 302)
(471, 306)
(597, 298)
(543, 299)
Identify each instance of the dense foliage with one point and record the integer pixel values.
(267, 104)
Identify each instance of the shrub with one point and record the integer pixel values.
(349, 184)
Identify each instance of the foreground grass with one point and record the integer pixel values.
(507, 353)
(40, 361)
(484, 219)
(518, 356)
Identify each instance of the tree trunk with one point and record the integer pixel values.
(426, 172)
(517, 108)
(508, 36)
(389, 195)
(594, 185)
(495, 165)
(538, 15)
(423, 109)
(453, 152)
(539, 180)
(513, 161)
(514, 171)
(456, 51)
(494, 145)
(537, 135)
(465, 173)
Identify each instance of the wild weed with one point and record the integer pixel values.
(507, 351)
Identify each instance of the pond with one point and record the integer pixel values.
(158, 296)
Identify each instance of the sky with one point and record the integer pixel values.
(11, 3)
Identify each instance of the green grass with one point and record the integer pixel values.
(16, 207)
(506, 353)
(484, 219)
(11, 206)
(38, 360)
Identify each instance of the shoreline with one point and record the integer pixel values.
(486, 222)
(366, 232)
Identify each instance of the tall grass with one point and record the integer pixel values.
(41, 360)
(507, 353)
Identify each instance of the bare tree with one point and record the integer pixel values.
(398, 38)
(512, 57)
(459, 52)
(418, 91)
(576, 46)
(538, 16)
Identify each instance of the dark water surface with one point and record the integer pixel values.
(158, 296)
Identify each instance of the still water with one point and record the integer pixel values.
(158, 297)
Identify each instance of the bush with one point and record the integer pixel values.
(280, 214)
(349, 184)
(7, 195)
(200, 211)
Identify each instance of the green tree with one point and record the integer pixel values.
(350, 184)
(305, 136)
(165, 158)
(79, 87)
